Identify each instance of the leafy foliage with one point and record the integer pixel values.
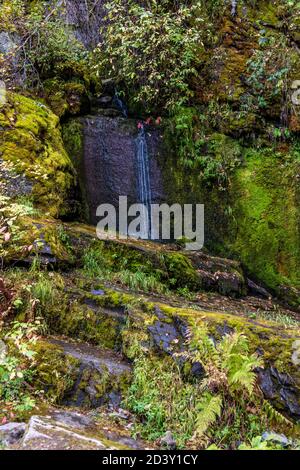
(216, 408)
(98, 262)
(16, 369)
(153, 49)
(11, 230)
(163, 400)
(210, 409)
(53, 46)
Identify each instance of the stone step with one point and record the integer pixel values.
(89, 376)
(65, 430)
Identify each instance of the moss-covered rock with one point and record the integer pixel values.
(31, 141)
(158, 327)
(55, 373)
(266, 228)
(78, 374)
(255, 216)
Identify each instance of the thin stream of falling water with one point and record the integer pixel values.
(120, 105)
(144, 186)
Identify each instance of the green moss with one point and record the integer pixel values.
(66, 98)
(31, 141)
(72, 134)
(54, 372)
(181, 272)
(275, 340)
(266, 230)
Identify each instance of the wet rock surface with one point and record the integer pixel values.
(110, 161)
(11, 433)
(13, 184)
(281, 390)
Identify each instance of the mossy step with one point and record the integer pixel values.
(81, 375)
(88, 354)
(158, 328)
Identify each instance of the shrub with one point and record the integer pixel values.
(153, 49)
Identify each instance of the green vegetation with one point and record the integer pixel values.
(32, 143)
(188, 347)
(17, 369)
(148, 272)
(225, 407)
(153, 50)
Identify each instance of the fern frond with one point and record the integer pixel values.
(275, 415)
(240, 371)
(235, 343)
(211, 408)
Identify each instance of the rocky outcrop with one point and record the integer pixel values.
(31, 144)
(63, 430)
(11, 433)
(280, 389)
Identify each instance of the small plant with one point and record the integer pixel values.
(43, 292)
(186, 293)
(17, 369)
(140, 281)
(163, 400)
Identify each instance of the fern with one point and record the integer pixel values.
(233, 344)
(236, 361)
(200, 344)
(275, 415)
(211, 408)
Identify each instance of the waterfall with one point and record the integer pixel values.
(144, 186)
(234, 7)
(120, 105)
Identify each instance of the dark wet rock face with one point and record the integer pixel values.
(110, 161)
(281, 390)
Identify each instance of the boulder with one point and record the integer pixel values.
(282, 391)
(65, 431)
(11, 433)
(275, 438)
